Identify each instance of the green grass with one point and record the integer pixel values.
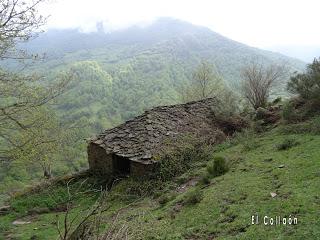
(227, 202)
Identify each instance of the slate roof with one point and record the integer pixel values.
(139, 138)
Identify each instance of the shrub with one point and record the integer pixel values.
(231, 124)
(136, 187)
(205, 179)
(311, 127)
(257, 81)
(299, 128)
(314, 126)
(258, 126)
(287, 144)
(276, 101)
(289, 113)
(163, 199)
(193, 197)
(218, 167)
(179, 158)
(307, 85)
(261, 113)
(298, 110)
(223, 146)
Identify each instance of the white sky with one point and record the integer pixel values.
(260, 23)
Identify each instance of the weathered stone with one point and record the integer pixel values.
(149, 128)
(19, 222)
(140, 138)
(273, 194)
(98, 142)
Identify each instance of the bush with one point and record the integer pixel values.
(287, 144)
(258, 126)
(179, 159)
(218, 167)
(261, 113)
(289, 113)
(193, 197)
(276, 101)
(205, 179)
(311, 127)
(163, 199)
(314, 126)
(299, 128)
(231, 124)
(307, 85)
(136, 187)
(298, 110)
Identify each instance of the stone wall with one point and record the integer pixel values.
(140, 169)
(99, 161)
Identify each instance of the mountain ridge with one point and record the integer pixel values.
(163, 29)
(141, 67)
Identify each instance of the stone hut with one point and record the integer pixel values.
(130, 147)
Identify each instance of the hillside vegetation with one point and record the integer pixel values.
(266, 165)
(191, 207)
(118, 75)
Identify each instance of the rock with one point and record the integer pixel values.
(149, 128)
(4, 210)
(273, 194)
(99, 141)
(281, 166)
(19, 222)
(147, 156)
(35, 211)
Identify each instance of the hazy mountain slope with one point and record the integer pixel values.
(306, 53)
(147, 65)
(163, 44)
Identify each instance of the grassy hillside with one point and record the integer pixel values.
(120, 74)
(284, 161)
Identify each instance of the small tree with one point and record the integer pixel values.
(22, 103)
(206, 82)
(19, 20)
(257, 81)
(24, 97)
(307, 85)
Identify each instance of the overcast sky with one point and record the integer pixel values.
(260, 23)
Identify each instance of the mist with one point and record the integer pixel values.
(263, 24)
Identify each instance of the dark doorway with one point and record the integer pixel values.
(121, 165)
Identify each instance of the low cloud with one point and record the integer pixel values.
(257, 23)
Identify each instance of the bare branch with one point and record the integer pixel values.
(258, 80)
